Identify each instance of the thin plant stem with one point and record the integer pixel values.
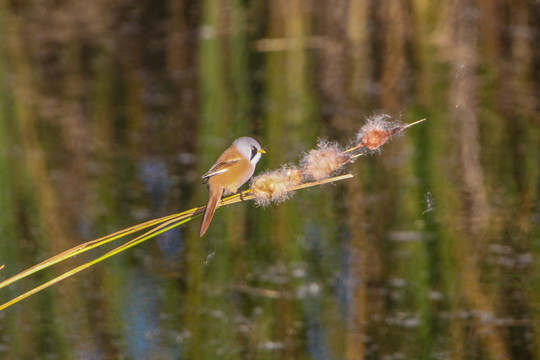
(79, 249)
(150, 234)
(161, 225)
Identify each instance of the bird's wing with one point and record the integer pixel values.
(218, 168)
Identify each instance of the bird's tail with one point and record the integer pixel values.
(213, 199)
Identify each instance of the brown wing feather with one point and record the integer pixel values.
(218, 168)
(228, 158)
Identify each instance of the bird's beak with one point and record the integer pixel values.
(262, 151)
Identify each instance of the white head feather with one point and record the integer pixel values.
(249, 148)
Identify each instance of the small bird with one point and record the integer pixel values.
(230, 171)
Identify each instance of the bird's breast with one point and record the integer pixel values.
(233, 178)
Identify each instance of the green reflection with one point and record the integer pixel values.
(94, 93)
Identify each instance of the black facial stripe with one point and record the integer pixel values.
(254, 152)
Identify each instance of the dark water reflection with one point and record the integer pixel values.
(109, 113)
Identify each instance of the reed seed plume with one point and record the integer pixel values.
(275, 186)
(377, 131)
(324, 161)
(318, 164)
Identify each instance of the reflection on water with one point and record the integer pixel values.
(109, 114)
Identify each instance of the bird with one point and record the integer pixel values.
(231, 170)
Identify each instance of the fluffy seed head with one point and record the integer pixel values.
(277, 185)
(377, 131)
(322, 162)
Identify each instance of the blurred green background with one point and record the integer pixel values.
(110, 110)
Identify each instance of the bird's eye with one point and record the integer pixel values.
(254, 152)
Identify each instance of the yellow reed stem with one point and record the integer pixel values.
(150, 234)
(161, 225)
(79, 249)
(414, 123)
